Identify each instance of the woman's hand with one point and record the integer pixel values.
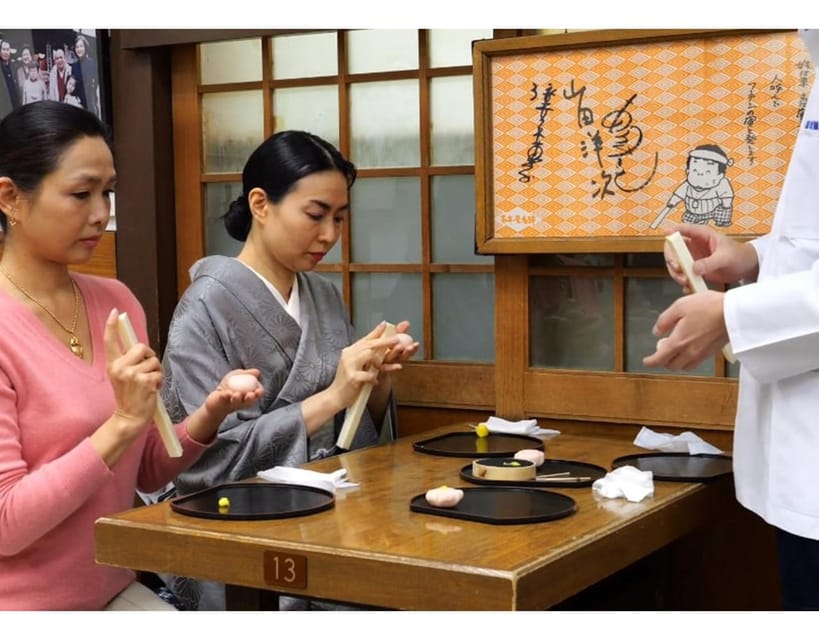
(135, 377)
(402, 351)
(223, 400)
(360, 364)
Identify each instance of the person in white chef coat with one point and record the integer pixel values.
(772, 322)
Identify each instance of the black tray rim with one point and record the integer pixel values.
(419, 504)
(623, 460)
(419, 445)
(177, 504)
(466, 474)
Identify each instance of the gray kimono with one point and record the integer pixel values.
(228, 319)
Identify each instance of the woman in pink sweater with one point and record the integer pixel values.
(76, 409)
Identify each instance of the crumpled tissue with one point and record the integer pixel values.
(292, 475)
(686, 442)
(520, 428)
(625, 482)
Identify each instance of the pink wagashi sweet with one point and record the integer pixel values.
(243, 382)
(444, 496)
(533, 455)
(405, 339)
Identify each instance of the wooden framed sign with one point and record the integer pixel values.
(598, 141)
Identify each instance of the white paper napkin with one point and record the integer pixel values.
(292, 475)
(625, 482)
(520, 428)
(686, 442)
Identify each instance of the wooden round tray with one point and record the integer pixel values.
(572, 475)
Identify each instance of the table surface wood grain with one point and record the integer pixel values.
(371, 549)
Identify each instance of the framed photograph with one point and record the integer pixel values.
(65, 65)
(596, 141)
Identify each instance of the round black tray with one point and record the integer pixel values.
(502, 505)
(254, 501)
(679, 467)
(580, 474)
(466, 444)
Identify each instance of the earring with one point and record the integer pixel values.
(12, 221)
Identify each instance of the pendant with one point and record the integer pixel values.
(76, 347)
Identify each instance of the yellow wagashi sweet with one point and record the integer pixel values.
(482, 430)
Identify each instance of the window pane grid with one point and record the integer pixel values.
(288, 80)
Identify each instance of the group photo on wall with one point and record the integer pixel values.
(50, 64)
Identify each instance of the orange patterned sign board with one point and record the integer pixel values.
(619, 141)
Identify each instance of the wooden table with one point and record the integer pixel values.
(372, 550)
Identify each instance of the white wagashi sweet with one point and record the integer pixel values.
(444, 496)
(532, 455)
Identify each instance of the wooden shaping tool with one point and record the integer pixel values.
(353, 416)
(677, 245)
(128, 337)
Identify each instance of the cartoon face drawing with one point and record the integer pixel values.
(703, 173)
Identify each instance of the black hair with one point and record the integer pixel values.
(276, 166)
(34, 137)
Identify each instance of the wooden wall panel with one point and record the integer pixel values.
(652, 400)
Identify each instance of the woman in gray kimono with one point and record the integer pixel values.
(267, 307)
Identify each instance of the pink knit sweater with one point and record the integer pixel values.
(53, 485)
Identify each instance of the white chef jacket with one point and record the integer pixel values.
(773, 326)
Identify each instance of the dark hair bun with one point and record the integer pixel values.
(238, 219)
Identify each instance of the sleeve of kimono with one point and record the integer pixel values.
(249, 440)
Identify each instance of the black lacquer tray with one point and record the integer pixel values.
(502, 505)
(679, 467)
(254, 501)
(466, 444)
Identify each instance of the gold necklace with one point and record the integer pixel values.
(73, 342)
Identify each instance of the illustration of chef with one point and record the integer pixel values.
(706, 192)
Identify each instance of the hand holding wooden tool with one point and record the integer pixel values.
(353, 416)
(677, 245)
(128, 337)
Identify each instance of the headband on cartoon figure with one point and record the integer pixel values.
(707, 154)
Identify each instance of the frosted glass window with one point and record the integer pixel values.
(232, 127)
(388, 296)
(453, 47)
(393, 207)
(646, 298)
(571, 322)
(464, 316)
(453, 221)
(313, 109)
(218, 197)
(304, 56)
(334, 255)
(384, 119)
(382, 50)
(230, 61)
(453, 140)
